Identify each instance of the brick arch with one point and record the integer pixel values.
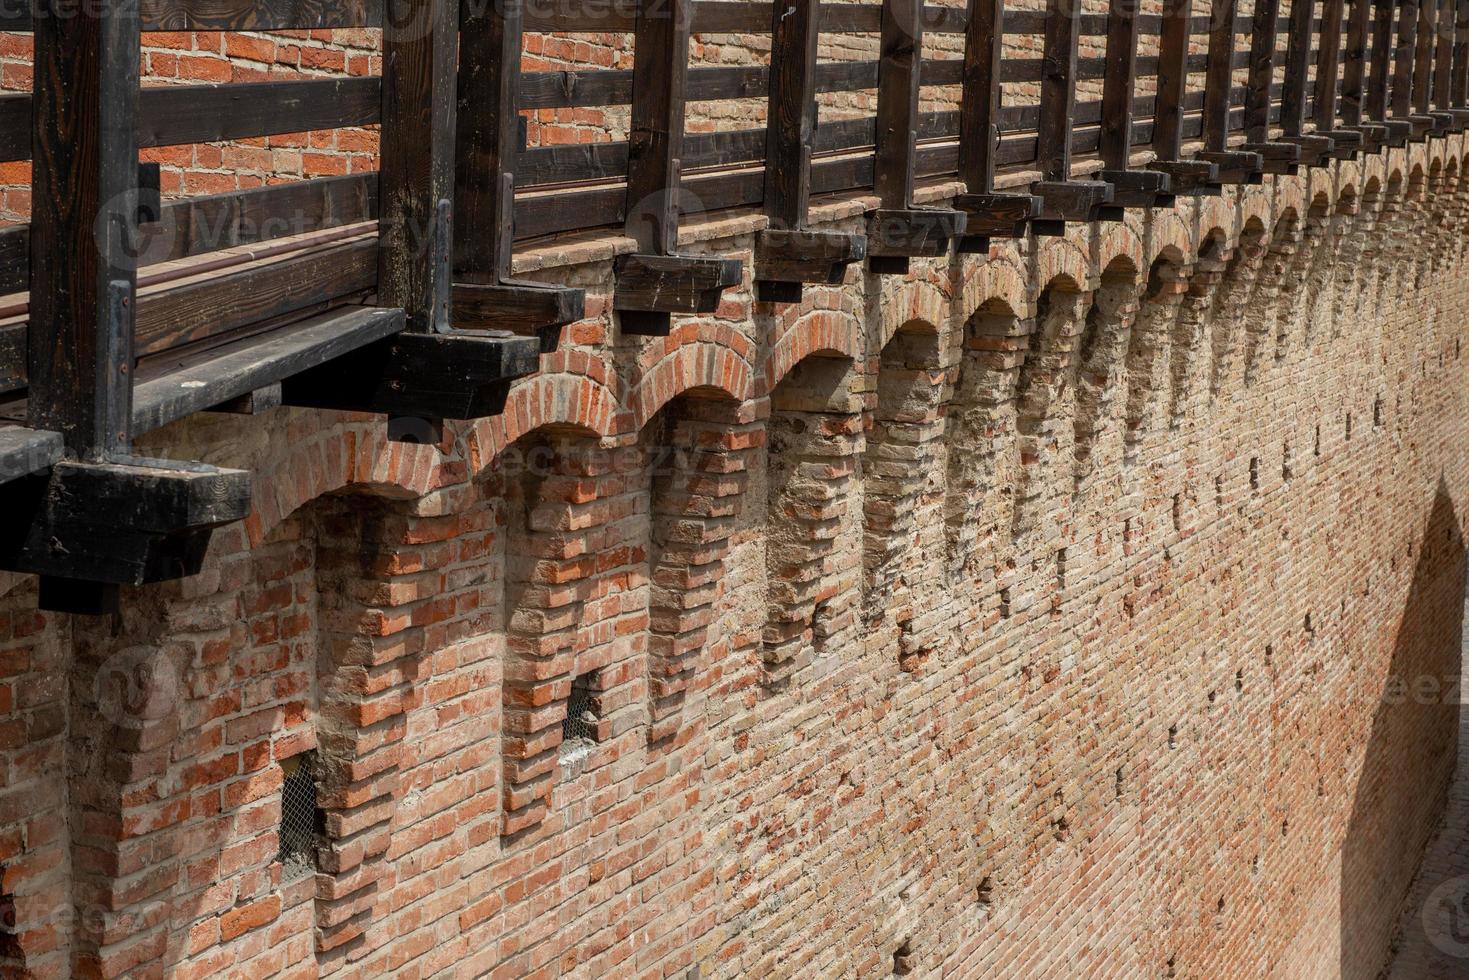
(1235, 290)
(1060, 257)
(914, 301)
(1219, 214)
(1168, 236)
(701, 364)
(1099, 368)
(1254, 203)
(817, 332)
(1119, 241)
(567, 399)
(1320, 182)
(1290, 198)
(1002, 280)
(350, 455)
(1041, 391)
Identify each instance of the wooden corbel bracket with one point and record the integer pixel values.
(650, 288)
(787, 258)
(528, 309)
(895, 235)
(989, 216)
(88, 528)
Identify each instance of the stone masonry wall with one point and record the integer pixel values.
(1086, 608)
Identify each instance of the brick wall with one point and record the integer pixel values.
(1087, 606)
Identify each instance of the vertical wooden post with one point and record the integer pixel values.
(786, 255)
(1459, 83)
(84, 224)
(1235, 166)
(791, 116)
(1218, 74)
(1130, 188)
(1328, 54)
(1262, 70)
(1297, 57)
(1314, 149)
(897, 101)
(1324, 101)
(1058, 91)
(1354, 62)
(486, 144)
(979, 108)
(1188, 176)
(416, 173)
(1063, 199)
(1442, 107)
(1423, 55)
(654, 282)
(987, 213)
(487, 140)
(1405, 58)
(655, 137)
(1383, 74)
(898, 231)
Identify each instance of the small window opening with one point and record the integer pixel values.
(985, 894)
(303, 823)
(579, 727)
(903, 959)
(1173, 736)
(1254, 472)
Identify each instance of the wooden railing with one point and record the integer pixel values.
(393, 293)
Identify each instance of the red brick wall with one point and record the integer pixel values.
(1036, 614)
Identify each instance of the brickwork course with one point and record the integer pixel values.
(1092, 607)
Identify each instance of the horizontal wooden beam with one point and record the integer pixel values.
(785, 258)
(247, 365)
(524, 308)
(894, 235)
(25, 451)
(169, 115)
(87, 528)
(659, 285)
(458, 375)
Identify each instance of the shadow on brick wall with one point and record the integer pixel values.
(1410, 752)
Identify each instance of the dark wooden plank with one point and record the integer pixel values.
(12, 357)
(487, 140)
(791, 112)
(215, 305)
(25, 451)
(1058, 91)
(655, 141)
(198, 225)
(174, 114)
(258, 15)
(416, 170)
(523, 308)
(84, 194)
(897, 102)
(1323, 108)
(199, 383)
(1380, 61)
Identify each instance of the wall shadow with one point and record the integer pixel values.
(1410, 752)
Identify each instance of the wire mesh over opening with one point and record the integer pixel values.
(301, 819)
(579, 727)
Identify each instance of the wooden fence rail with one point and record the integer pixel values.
(392, 292)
